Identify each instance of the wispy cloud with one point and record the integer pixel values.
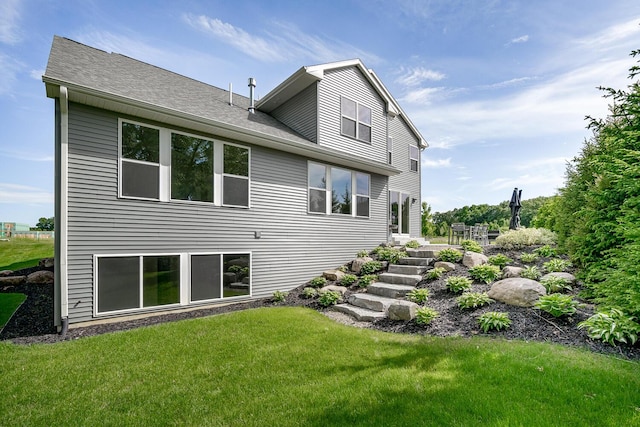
(9, 69)
(507, 83)
(424, 96)
(436, 163)
(610, 37)
(9, 18)
(418, 75)
(521, 39)
(24, 194)
(25, 156)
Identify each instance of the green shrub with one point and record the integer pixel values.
(391, 255)
(412, 244)
(484, 273)
(424, 315)
(450, 255)
(370, 267)
(530, 272)
(367, 279)
(611, 326)
(309, 292)
(458, 284)
(471, 246)
(529, 258)
(434, 273)
(556, 264)
(494, 320)
(419, 296)
(363, 253)
(557, 304)
(279, 296)
(329, 298)
(555, 284)
(348, 280)
(499, 260)
(317, 282)
(473, 299)
(518, 239)
(546, 251)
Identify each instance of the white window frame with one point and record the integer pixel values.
(329, 188)
(222, 298)
(191, 135)
(411, 159)
(357, 121)
(356, 194)
(223, 175)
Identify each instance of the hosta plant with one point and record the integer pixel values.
(531, 272)
(471, 246)
(458, 284)
(424, 315)
(499, 260)
(329, 298)
(348, 280)
(370, 267)
(391, 255)
(556, 264)
(309, 292)
(317, 282)
(434, 273)
(494, 320)
(529, 258)
(279, 296)
(450, 255)
(485, 273)
(546, 251)
(554, 284)
(557, 305)
(473, 299)
(412, 244)
(367, 279)
(363, 253)
(611, 326)
(419, 296)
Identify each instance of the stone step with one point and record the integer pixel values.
(359, 313)
(401, 241)
(400, 279)
(415, 261)
(389, 290)
(406, 269)
(423, 253)
(370, 302)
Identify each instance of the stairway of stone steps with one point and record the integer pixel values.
(391, 286)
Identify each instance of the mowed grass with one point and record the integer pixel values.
(9, 303)
(16, 254)
(295, 367)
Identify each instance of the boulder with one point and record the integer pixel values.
(12, 280)
(472, 259)
(402, 310)
(509, 271)
(333, 275)
(447, 266)
(570, 278)
(42, 277)
(45, 263)
(334, 288)
(357, 263)
(5, 273)
(517, 291)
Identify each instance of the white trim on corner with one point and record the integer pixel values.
(62, 232)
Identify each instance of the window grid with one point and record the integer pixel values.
(355, 120)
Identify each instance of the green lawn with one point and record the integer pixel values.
(23, 253)
(295, 367)
(9, 303)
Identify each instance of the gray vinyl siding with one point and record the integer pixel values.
(408, 181)
(300, 113)
(350, 83)
(295, 246)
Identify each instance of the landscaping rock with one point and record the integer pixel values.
(42, 277)
(472, 259)
(333, 275)
(447, 266)
(357, 263)
(517, 291)
(12, 280)
(509, 271)
(334, 288)
(566, 276)
(5, 273)
(45, 263)
(402, 310)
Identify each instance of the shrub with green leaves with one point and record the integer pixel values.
(530, 272)
(370, 267)
(391, 255)
(309, 292)
(317, 282)
(458, 284)
(425, 315)
(554, 284)
(450, 255)
(556, 264)
(473, 299)
(367, 279)
(348, 279)
(485, 273)
(329, 298)
(434, 273)
(471, 246)
(363, 253)
(529, 258)
(557, 304)
(279, 296)
(499, 260)
(611, 326)
(546, 251)
(494, 320)
(522, 237)
(412, 244)
(419, 296)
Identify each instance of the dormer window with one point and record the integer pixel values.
(356, 120)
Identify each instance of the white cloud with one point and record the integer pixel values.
(416, 76)
(436, 163)
(611, 37)
(507, 83)
(23, 194)
(26, 156)
(9, 17)
(9, 69)
(36, 74)
(521, 39)
(424, 96)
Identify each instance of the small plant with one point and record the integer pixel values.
(494, 320)
(367, 279)
(419, 296)
(450, 255)
(343, 268)
(530, 272)
(471, 246)
(499, 260)
(424, 315)
(363, 253)
(390, 254)
(529, 258)
(317, 282)
(412, 244)
(348, 280)
(238, 269)
(279, 296)
(458, 284)
(546, 251)
(370, 267)
(473, 300)
(329, 298)
(484, 273)
(557, 305)
(556, 264)
(309, 293)
(611, 326)
(434, 273)
(555, 284)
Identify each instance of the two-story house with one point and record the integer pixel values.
(172, 194)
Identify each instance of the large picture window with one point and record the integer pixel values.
(355, 120)
(191, 168)
(140, 164)
(341, 191)
(349, 190)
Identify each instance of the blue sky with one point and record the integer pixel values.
(499, 89)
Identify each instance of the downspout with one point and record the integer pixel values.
(61, 226)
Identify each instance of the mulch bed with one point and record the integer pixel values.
(33, 321)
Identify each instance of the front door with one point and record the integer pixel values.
(399, 208)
